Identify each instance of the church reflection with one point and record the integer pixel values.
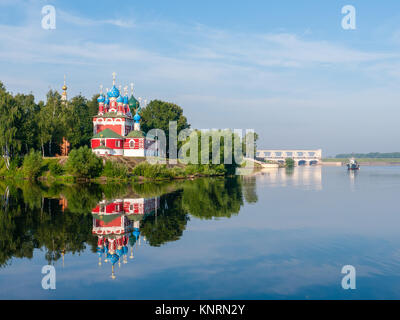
(117, 224)
(110, 220)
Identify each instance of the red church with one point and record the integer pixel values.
(116, 131)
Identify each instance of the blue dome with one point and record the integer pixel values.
(120, 99)
(120, 252)
(100, 251)
(113, 93)
(126, 100)
(113, 258)
(136, 233)
(136, 117)
(101, 98)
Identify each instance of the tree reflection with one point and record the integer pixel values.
(209, 198)
(59, 218)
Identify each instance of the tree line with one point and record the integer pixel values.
(373, 155)
(31, 215)
(26, 124)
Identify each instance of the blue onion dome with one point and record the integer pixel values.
(114, 92)
(101, 98)
(136, 233)
(100, 251)
(136, 117)
(120, 99)
(126, 100)
(113, 258)
(125, 249)
(120, 252)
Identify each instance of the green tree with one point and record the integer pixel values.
(32, 164)
(209, 198)
(93, 106)
(289, 163)
(158, 114)
(83, 163)
(78, 120)
(11, 117)
(169, 223)
(246, 140)
(51, 122)
(28, 130)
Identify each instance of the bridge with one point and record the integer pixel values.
(301, 157)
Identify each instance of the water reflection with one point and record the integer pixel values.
(302, 177)
(109, 219)
(117, 225)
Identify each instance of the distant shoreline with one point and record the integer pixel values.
(363, 161)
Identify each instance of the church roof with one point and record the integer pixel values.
(103, 147)
(136, 134)
(107, 133)
(107, 218)
(133, 103)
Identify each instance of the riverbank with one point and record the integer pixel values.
(58, 170)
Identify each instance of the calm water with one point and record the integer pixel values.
(276, 235)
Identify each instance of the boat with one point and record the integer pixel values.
(353, 164)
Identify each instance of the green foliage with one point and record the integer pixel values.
(32, 164)
(170, 222)
(56, 169)
(249, 189)
(209, 198)
(156, 171)
(114, 170)
(83, 163)
(221, 156)
(247, 140)
(289, 163)
(27, 125)
(78, 122)
(158, 114)
(31, 216)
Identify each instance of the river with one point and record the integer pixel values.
(278, 234)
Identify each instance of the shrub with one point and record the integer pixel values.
(32, 164)
(155, 171)
(114, 170)
(56, 169)
(289, 163)
(84, 163)
(178, 172)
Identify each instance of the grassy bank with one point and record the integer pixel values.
(57, 170)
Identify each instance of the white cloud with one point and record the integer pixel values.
(84, 21)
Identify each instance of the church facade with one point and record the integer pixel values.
(116, 127)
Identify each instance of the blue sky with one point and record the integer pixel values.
(284, 68)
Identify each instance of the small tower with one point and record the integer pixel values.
(64, 93)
